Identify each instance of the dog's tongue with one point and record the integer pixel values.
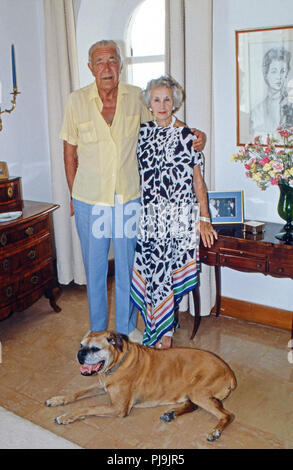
(90, 368)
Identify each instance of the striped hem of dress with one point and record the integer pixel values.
(161, 320)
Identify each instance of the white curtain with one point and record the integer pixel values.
(62, 78)
(189, 37)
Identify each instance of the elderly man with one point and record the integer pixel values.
(100, 128)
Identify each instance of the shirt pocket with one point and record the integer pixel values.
(132, 125)
(87, 132)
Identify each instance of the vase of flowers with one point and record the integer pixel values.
(269, 165)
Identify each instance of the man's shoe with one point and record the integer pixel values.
(136, 336)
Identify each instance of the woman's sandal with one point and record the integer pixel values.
(165, 342)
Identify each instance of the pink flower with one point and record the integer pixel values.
(279, 153)
(247, 174)
(285, 134)
(278, 166)
(264, 160)
(274, 181)
(247, 167)
(267, 150)
(242, 152)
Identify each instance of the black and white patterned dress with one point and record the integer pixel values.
(166, 259)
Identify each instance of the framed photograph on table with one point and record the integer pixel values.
(264, 82)
(226, 207)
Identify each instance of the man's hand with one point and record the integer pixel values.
(71, 164)
(71, 208)
(199, 143)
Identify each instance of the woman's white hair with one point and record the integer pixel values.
(105, 43)
(167, 81)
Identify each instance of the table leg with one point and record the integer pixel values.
(197, 317)
(218, 289)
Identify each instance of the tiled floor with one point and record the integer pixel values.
(38, 361)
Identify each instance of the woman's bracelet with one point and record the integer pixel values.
(205, 219)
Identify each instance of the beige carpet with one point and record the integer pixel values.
(19, 433)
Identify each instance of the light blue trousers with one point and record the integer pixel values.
(96, 226)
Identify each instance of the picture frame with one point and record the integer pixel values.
(264, 73)
(226, 207)
(3, 171)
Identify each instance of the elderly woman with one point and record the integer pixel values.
(166, 259)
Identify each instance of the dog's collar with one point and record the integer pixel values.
(110, 371)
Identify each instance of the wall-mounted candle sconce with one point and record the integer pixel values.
(15, 91)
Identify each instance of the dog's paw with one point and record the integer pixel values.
(64, 419)
(168, 416)
(214, 435)
(55, 401)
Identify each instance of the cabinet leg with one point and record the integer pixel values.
(49, 294)
(197, 317)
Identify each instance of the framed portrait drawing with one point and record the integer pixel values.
(226, 207)
(264, 75)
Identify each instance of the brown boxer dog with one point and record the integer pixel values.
(138, 376)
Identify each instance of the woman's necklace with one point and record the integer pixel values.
(171, 123)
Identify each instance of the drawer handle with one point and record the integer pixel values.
(3, 239)
(5, 264)
(280, 270)
(35, 279)
(224, 260)
(9, 291)
(29, 231)
(10, 192)
(258, 265)
(32, 254)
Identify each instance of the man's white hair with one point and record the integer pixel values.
(105, 43)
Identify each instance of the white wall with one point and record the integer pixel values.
(97, 20)
(24, 138)
(231, 15)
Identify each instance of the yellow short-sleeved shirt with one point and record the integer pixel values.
(107, 162)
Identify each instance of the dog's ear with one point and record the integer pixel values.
(117, 340)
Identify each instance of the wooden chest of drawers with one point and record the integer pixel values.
(26, 259)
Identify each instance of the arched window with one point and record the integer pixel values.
(146, 43)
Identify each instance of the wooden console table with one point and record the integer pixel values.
(26, 259)
(244, 252)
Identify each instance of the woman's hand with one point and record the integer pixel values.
(207, 233)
